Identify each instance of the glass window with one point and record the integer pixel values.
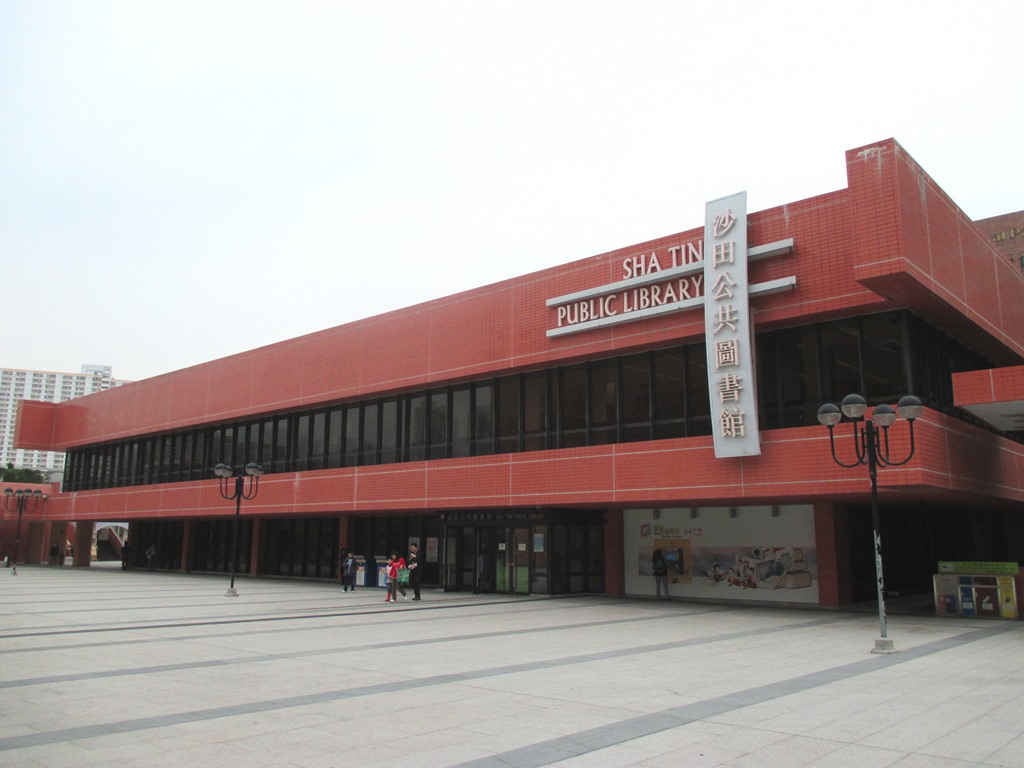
(186, 457)
(352, 430)
(417, 428)
(132, 468)
(840, 359)
(300, 443)
(140, 467)
(797, 351)
(318, 437)
(698, 397)
(389, 431)
(461, 421)
(636, 398)
(228, 446)
(368, 454)
(266, 452)
(253, 442)
(535, 411)
(242, 446)
(604, 418)
(165, 452)
(669, 393)
(572, 403)
(200, 465)
(335, 437)
(885, 373)
(438, 425)
(483, 418)
(508, 414)
(281, 444)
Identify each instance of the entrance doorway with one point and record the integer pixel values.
(523, 553)
(487, 560)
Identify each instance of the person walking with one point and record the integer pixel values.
(660, 570)
(415, 572)
(348, 572)
(392, 571)
(401, 577)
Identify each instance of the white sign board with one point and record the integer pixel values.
(727, 325)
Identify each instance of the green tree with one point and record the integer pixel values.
(23, 475)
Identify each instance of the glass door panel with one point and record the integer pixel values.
(521, 560)
(502, 562)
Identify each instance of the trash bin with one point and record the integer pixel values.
(381, 568)
(360, 570)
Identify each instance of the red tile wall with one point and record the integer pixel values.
(952, 461)
(891, 239)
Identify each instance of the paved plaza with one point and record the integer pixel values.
(102, 668)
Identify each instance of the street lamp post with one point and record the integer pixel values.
(224, 473)
(21, 499)
(871, 448)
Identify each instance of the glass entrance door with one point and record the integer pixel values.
(512, 561)
(521, 561)
(484, 580)
(487, 559)
(451, 560)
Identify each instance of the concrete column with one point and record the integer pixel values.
(186, 542)
(255, 566)
(83, 543)
(35, 543)
(614, 557)
(832, 542)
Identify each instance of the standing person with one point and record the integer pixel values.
(348, 572)
(342, 555)
(414, 571)
(151, 557)
(660, 570)
(126, 556)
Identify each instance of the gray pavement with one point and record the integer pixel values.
(101, 668)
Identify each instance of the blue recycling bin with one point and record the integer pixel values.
(380, 569)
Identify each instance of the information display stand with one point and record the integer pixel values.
(991, 595)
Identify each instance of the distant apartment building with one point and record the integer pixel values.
(50, 387)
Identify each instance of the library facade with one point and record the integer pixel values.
(544, 435)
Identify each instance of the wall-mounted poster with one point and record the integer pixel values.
(725, 553)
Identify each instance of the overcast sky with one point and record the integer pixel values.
(181, 181)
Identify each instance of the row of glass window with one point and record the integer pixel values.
(645, 396)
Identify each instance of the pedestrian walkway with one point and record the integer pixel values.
(101, 668)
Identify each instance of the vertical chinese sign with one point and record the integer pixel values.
(727, 328)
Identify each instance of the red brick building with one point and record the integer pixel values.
(546, 433)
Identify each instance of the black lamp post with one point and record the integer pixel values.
(224, 472)
(871, 447)
(21, 499)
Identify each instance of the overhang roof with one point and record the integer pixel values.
(995, 396)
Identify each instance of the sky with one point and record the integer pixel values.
(182, 181)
